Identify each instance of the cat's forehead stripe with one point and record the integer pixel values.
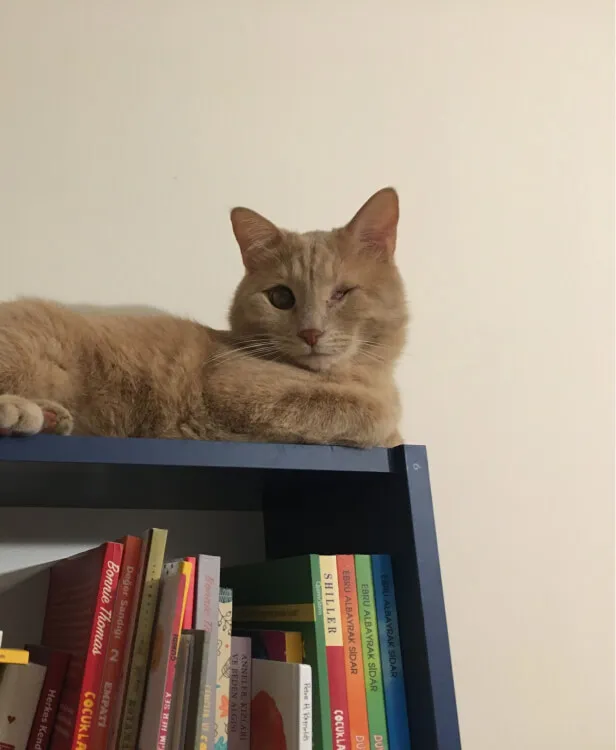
(312, 259)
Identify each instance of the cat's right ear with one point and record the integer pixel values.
(254, 234)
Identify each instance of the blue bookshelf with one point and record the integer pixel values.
(322, 499)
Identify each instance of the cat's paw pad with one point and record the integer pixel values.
(57, 419)
(18, 416)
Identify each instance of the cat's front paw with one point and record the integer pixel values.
(20, 416)
(58, 419)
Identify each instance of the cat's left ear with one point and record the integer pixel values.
(374, 227)
(254, 234)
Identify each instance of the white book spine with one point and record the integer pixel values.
(20, 690)
(305, 718)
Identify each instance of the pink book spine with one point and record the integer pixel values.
(44, 719)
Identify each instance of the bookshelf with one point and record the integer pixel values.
(295, 499)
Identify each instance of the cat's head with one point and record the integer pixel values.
(322, 299)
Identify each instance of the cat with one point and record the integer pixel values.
(317, 324)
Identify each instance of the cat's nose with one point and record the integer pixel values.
(310, 335)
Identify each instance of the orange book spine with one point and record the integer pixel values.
(353, 658)
(122, 613)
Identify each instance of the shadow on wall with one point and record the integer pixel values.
(22, 605)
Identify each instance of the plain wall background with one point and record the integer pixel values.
(129, 129)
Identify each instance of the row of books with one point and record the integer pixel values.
(138, 653)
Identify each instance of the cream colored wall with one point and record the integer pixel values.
(128, 130)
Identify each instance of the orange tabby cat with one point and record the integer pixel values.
(317, 324)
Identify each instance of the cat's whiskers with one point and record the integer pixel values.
(250, 349)
(241, 351)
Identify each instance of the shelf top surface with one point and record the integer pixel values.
(159, 452)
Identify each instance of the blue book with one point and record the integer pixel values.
(391, 654)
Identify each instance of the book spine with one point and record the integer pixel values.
(377, 720)
(122, 612)
(179, 704)
(322, 735)
(118, 705)
(206, 618)
(20, 690)
(391, 653)
(223, 667)
(49, 700)
(240, 692)
(189, 613)
(14, 656)
(306, 712)
(86, 733)
(294, 647)
(195, 730)
(135, 688)
(354, 660)
(339, 709)
(176, 629)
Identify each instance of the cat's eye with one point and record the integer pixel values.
(341, 293)
(281, 297)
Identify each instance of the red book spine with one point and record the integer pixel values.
(190, 598)
(86, 733)
(176, 628)
(45, 716)
(114, 660)
(334, 650)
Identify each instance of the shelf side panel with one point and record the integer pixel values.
(389, 514)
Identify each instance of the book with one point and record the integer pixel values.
(354, 660)
(56, 665)
(199, 711)
(154, 544)
(189, 614)
(179, 703)
(285, 594)
(240, 694)
(80, 603)
(14, 656)
(391, 653)
(223, 668)
(159, 690)
(281, 706)
(131, 624)
(377, 720)
(20, 690)
(114, 659)
(277, 645)
(334, 647)
(206, 618)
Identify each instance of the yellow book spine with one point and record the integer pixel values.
(14, 656)
(185, 570)
(138, 671)
(294, 647)
(275, 613)
(331, 601)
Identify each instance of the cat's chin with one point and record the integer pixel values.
(316, 362)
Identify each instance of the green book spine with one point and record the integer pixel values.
(286, 595)
(377, 719)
